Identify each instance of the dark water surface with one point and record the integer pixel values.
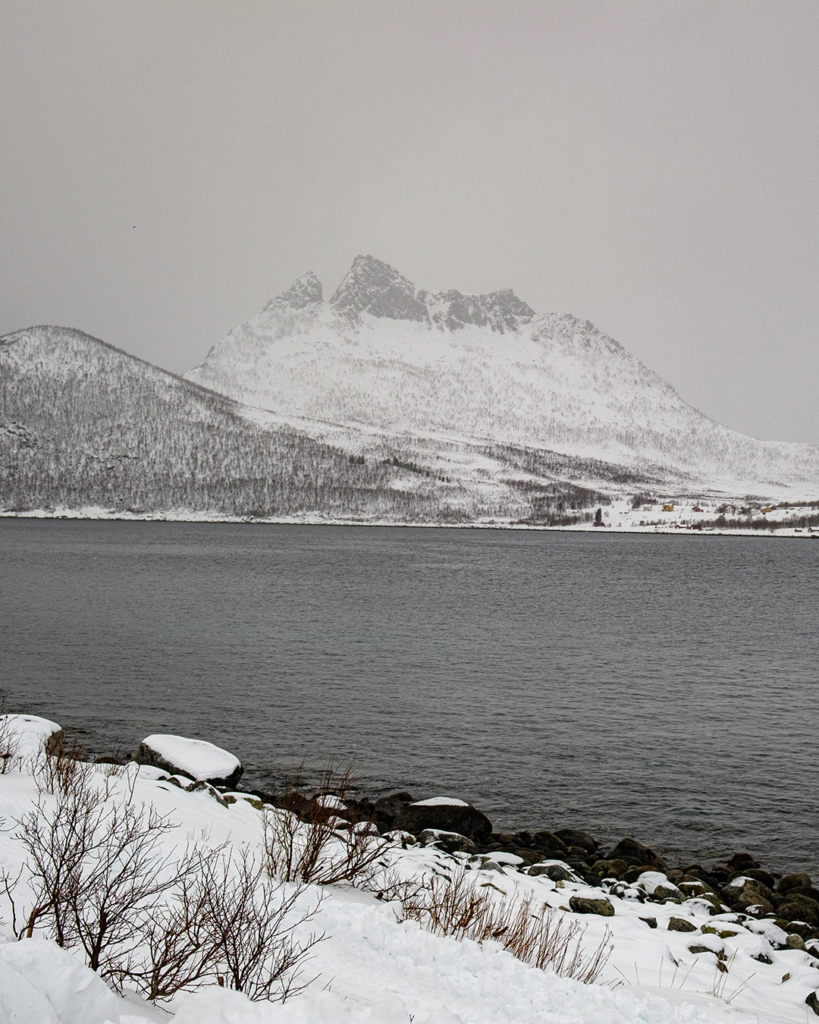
(660, 687)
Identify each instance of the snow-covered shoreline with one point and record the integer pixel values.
(671, 528)
(675, 958)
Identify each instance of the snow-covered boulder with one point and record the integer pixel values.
(26, 736)
(446, 814)
(43, 984)
(195, 759)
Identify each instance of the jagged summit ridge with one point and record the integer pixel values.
(371, 286)
(501, 311)
(377, 289)
(305, 291)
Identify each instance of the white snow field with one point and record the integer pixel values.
(373, 966)
(449, 371)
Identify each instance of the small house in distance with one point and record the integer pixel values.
(668, 508)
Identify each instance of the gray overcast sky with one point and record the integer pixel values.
(166, 166)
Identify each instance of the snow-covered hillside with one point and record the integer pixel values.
(484, 369)
(84, 425)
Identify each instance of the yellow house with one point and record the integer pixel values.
(668, 508)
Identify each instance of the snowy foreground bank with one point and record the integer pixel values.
(156, 877)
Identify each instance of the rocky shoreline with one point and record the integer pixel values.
(629, 869)
(739, 884)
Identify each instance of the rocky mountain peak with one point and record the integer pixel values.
(304, 291)
(501, 311)
(374, 287)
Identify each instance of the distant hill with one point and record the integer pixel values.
(485, 370)
(83, 424)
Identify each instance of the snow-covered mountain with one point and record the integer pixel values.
(444, 369)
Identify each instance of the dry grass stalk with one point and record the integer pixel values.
(305, 841)
(537, 935)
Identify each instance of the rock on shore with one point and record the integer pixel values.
(195, 759)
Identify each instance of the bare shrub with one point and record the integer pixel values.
(176, 945)
(94, 867)
(103, 884)
(538, 935)
(9, 738)
(305, 840)
(225, 920)
(247, 913)
(9, 741)
(387, 885)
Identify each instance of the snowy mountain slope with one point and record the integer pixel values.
(479, 369)
(86, 427)
(84, 424)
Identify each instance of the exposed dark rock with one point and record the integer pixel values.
(692, 886)
(291, 801)
(799, 908)
(753, 903)
(742, 891)
(810, 891)
(55, 744)
(205, 787)
(263, 795)
(680, 924)
(760, 875)
(667, 894)
(609, 868)
(632, 873)
(574, 837)
(388, 808)
(813, 1001)
(502, 840)
(581, 905)
(581, 855)
(466, 821)
(796, 881)
(526, 855)
(742, 862)
(807, 931)
(723, 933)
(635, 853)
(451, 842)
(557, 872)
(650, 921)
(549, 844)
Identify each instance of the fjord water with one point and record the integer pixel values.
(661, 687)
